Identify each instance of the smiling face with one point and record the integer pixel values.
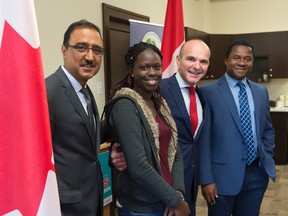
(82, 65)
(193, 61)
(239, 62)
(147, 73)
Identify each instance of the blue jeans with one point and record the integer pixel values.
(127, 212)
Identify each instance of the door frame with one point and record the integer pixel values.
(121, 16)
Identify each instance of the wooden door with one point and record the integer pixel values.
(116, 34)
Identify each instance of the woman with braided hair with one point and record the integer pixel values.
(139, 118)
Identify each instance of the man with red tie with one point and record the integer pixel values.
(188, 109)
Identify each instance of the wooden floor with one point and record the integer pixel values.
(275, 202)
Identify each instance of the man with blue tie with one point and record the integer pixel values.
(237, 143)
(188, 109)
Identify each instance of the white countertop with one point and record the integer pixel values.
(278, 109)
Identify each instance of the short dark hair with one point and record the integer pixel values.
(77, 25)
(238, 42)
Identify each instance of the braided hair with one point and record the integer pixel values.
(130, 59)
(128, 82)
(136, 49)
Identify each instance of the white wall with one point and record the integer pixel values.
(247, 16)
(197, 14)
(212, 16)
(55, 16)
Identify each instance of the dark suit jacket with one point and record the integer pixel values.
(76, 147)
(171, 92)
(222, 149)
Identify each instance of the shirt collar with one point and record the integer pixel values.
(233, 82)
(76, 85)
(181, 81)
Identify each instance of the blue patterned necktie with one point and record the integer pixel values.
(245, 117)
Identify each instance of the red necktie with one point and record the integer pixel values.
(193, 109)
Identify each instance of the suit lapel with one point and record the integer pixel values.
(204, 107)
(179, 101)
(74, 99)
(225, 91)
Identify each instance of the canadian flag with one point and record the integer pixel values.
(27, 176)
(173, 36)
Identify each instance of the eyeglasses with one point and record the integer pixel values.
(84, 48)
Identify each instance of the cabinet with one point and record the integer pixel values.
(270, 52)
(191, 33)
(260, 43)
(278, 54)
(218, 46)
(280, 124)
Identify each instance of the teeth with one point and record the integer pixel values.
(152, 81)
